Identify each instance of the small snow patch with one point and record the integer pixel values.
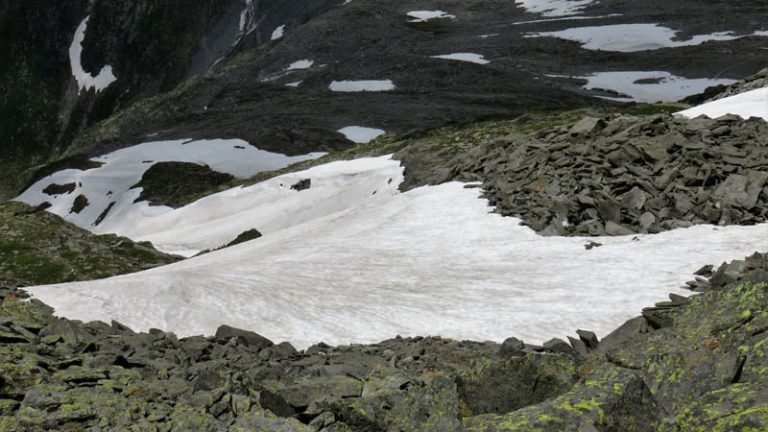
(362, 86)
(278, 33)
(294, 84)
(465, 57)
(361, 135)
(86, 81)
(301, 64)
(426, 15)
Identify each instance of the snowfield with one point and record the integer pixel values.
(353, 260)
(753, 103)
(110, 186)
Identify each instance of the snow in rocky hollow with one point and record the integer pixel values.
(353, 260)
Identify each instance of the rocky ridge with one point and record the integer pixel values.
(688, 364)
(613, 174)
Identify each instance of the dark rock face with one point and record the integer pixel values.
(176, 184)
(703, 370)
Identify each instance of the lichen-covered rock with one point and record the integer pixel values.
(609, 399)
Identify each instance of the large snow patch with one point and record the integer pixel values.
(635, 37)
(109, 188)
(353, 260)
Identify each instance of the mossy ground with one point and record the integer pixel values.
(37, 247)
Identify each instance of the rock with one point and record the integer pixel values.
(721, 130)
(733, 190)
(249, 338)
(589, 338)
(587, 126)
(609, 210)
(634, 199)
(591, 245)
(756, 181)
(245, 236)
(614, 229)
(512, 347)
(302, 185)
(647, 220)
(558, 346)
(79, 204)
(616, 396)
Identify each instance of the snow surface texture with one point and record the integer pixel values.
(352, 260)
(426, 15)
(653, 86)
(465, 57)
(121, 170)
(635, 37)
(362, 86)
(753, 103)
(361, 135)
(86, 81)
(554, 8)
